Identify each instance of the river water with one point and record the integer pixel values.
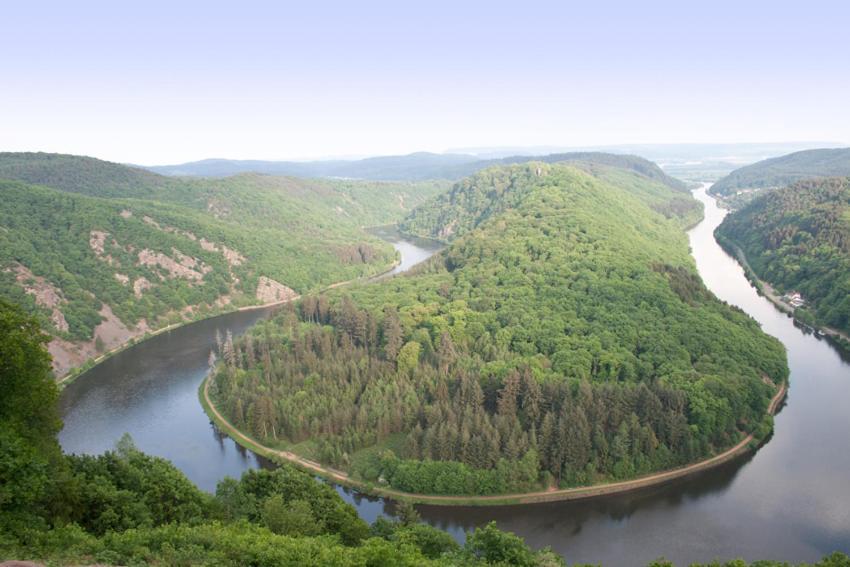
(789, 501)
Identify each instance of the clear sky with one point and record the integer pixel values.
(164, 82)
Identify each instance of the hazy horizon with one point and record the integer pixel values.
(487, 152)
(165, 84)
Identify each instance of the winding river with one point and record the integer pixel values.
(789, 501)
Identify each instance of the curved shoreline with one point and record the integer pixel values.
(576, 493)
(766, 290)
(75, 373)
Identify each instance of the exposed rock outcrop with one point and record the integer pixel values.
(46, 294)
(271, 291)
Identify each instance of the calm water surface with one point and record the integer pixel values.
(790, 501)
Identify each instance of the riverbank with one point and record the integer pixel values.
(743, 447)
(75, 373)
(841, 340)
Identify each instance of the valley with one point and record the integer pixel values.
(105, 254)
(738, 489)
(480, 221)
(436, 284)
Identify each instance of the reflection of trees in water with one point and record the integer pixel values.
(246, 456)
(841, 348)
(218, 436)
(569, 517)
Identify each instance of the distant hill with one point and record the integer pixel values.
(79, 174)
(785, 170)
(471, 201)
(635, 163)
(798, 238)
(413, 167)
(102, 252)
(416, 166)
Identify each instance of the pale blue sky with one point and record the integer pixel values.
(165, 82)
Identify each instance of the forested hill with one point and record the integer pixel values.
(103, 253)
(416, 166)
(565, 339)
(478, 198)
(127, 508)
(798, 238)
(637, 164)
(781, 171)
(79, 174)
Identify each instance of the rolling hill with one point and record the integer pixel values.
(785, 170)
(416, 166)
(563, 337)
(103, 253)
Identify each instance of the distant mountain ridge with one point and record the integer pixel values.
(785, 170)
(412, 167)
(415, 166)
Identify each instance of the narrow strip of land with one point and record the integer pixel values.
(576, 493)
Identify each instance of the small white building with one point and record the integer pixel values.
(794, 299)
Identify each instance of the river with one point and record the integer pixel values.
(789, 501)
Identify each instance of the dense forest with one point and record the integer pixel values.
(563, 338)
(784, 170)
(470, 202)
(128, 508)
(79, 235)
(798, 238)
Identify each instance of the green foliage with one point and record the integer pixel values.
(125, 489)
(28, 404)
(836, 559)
(407, 513)
(214, 544)
(475, 199)
(432, 542)
(798, 238)
(565, 335)
(303, 233)
(498, 547)
(127, 508)
(293, 518)
(785, 170)
(285, 496)
(30, 458)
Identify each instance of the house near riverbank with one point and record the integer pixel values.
(794, 299)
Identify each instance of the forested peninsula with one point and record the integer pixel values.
(127, 508)
(563, 338)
